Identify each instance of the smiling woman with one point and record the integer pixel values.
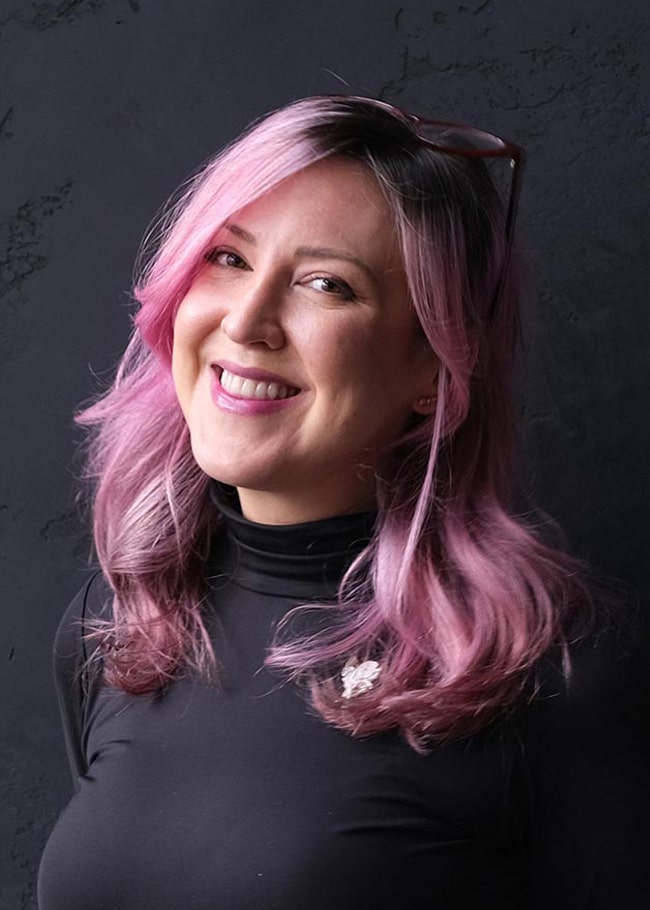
(297, 355)
(324, 662)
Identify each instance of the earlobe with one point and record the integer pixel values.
(425, 404)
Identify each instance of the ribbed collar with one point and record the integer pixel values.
(302, 560)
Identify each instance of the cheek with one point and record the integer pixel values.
(197, 315)
(345, 364)
(185, 355)
(372, 354)
(193, 322)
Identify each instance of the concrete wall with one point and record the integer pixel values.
(106, 105)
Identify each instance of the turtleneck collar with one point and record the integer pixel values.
(301, 560)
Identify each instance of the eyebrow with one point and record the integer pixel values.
(316, 252)
(240, 232)
(327, 252)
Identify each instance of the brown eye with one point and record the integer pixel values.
(225, 258)
(333, 287)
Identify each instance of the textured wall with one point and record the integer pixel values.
(106, 105)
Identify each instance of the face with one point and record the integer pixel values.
(297, 356)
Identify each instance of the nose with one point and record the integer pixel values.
(254, 314)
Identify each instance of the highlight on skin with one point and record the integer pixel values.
(455, 596)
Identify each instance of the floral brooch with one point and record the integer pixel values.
(358, 678)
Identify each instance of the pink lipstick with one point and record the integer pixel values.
(250, 391)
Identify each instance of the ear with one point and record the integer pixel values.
(427, 398)
(426, 404)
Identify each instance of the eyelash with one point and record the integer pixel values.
(212, 256)
(344, 291)
(341, 288)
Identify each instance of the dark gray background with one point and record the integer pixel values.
(106, 105)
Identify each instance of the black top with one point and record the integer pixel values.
(242, 798)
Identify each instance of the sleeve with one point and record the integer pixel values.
(587, 758)
(71, 668)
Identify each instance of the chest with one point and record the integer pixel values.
(241, 797)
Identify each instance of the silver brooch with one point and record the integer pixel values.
(357, 678)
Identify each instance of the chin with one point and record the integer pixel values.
(232, 473)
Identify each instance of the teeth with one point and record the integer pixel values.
(251, 388)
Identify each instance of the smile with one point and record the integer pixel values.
(243, 387)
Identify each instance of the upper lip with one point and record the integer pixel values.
(254, 373)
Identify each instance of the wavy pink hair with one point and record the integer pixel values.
(455, 595)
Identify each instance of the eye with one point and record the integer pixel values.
(333, 287)
(225, 258)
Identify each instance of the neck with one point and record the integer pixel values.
(271, 508)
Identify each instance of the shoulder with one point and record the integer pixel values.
(91, 603)
(597, 713)
(584, 754)
(73, 653)
(608, 668)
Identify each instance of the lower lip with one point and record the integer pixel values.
(248, 406)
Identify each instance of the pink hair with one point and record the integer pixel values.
(455, 596)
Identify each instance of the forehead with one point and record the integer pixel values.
(333, 200)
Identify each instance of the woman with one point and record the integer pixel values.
(313, 413)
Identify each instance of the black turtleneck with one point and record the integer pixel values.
(240, 797)
(299, 561)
